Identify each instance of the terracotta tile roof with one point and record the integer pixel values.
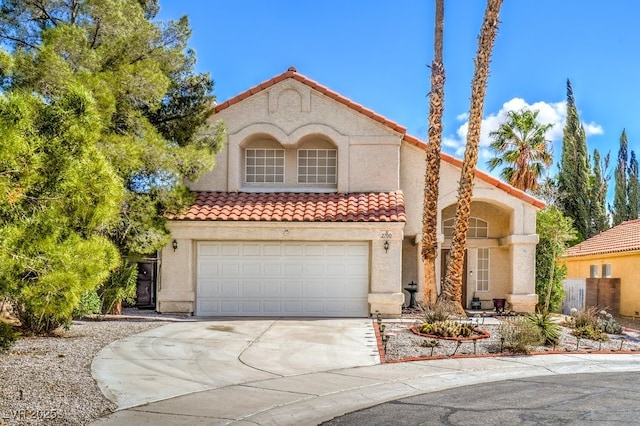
(621, 238)
(297, 207)
(292, 73)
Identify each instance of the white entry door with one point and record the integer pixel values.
(276, 278)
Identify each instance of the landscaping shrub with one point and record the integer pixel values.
(121, 286)
(590, 332)
(439, 312)
(549, 329)
(89, 304)
(8, 336)
(592, 323)
(520, 335)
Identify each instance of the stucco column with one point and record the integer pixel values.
(522, 250)
(177, 287)
(386, 294)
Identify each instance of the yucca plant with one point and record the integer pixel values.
(549, 329)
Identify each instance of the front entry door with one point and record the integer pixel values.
(444, 258)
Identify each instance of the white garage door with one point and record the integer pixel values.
(283, 279)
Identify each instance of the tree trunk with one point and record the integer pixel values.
(452, 287)
(432, 171)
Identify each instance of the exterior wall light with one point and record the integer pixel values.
(386, 246)
(174, 244)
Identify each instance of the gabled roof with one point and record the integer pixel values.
(297, 207)
(292, 73)
(622, 238)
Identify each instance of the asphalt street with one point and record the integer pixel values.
(570, 399)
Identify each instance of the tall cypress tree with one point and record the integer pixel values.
(620, 206)
(599, 185)
(633, 191)
(573, 176)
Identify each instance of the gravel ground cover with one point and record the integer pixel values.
(47, 380)
(403, 344)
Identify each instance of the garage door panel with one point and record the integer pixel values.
(209, 288)
(293, 289)
(251, 269)
(229, 289)
(293, 307)
(272, 289)
(277, 278)
(230, 249)
(251, 288)
(228, 269)
(293, 269)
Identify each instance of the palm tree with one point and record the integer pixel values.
(452, 286)
(520, 147)
(432, 172)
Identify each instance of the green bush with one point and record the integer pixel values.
(520, 335)
(549, 329)
(8, 336)
(89, 304)
(590, 332)
(121, 286)
(592, 323)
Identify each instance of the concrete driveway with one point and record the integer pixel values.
(187, 357)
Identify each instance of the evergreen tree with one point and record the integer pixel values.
(619, 210)
(555, 231)
(152, 104)
(632, 188)
(573, 177)
(58, 196)
(599, 185)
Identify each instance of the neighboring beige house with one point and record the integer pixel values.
(614, 253)
(314, 208)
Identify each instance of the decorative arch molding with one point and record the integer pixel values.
(293, 90)
(241, 139)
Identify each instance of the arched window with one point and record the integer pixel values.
(478, 228)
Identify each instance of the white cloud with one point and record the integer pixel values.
(549, 113)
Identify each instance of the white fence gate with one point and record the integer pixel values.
(575, 289)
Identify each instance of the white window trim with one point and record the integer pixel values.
(331, 179)
(475, 225)
(480, 271)
(269, 153)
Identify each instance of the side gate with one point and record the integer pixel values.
(575, 289)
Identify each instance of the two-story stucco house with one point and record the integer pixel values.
(314, 208)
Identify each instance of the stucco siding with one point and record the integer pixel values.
(623, 265)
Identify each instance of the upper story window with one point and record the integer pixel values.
(264, 165)
(318, 166)
(478, 228)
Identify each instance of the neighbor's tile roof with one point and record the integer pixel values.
(292, 73)
(621, 238)
(297, 207)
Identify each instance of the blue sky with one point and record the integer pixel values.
(376, 53)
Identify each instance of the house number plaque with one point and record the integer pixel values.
(386, 235)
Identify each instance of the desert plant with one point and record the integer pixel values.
(439, 312)
(90, 303)
(8, 336)
(549, 329)
(585, 317)
(608, 324)
(520, 335)
(447, 328)
(121, 286)
(591, 332)
(591, 323)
